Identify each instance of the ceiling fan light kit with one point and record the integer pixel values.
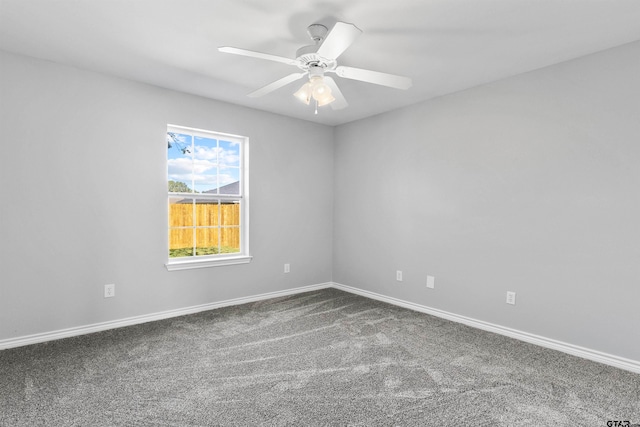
(320, 58)
(315, 89)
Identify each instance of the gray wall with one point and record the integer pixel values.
(83, 199)
(530, 184)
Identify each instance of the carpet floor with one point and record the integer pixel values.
(319, 358)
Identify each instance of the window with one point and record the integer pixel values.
(207, 193)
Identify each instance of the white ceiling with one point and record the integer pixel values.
(443, 45)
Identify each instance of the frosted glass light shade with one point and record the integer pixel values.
(304, 93)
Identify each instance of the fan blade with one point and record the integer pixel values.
(338, 40)
(260, 55)
(339, 102)
(375, 77)
(277, 84)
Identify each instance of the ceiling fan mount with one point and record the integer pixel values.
(317, 32)
(320, 58)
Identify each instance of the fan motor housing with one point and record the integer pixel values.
(307, 56)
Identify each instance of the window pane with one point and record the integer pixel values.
(207, 241)
(230, 214)
(230, 239)
(229, 167)
(180, 162)
(180, 242)
(207, 213)
(205, 160)
(180, 212)
(229, 178)
(229, 153)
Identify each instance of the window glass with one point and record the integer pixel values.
(207, 194)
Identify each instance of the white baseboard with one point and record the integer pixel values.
(597, 356)
(113, 324)
(574, 350)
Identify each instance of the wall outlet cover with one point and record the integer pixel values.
(109, 290)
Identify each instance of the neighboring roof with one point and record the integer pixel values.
(233, 188)
(229, 189)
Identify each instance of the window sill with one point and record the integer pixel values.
(207, 262)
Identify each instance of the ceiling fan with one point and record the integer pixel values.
(321, 58)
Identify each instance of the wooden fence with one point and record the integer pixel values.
(221, 221)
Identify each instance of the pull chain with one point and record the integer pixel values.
(316, 107)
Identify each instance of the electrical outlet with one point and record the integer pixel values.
(399, 276)
(109, 290)
(287, 268)
(511, 298)
(431, 282)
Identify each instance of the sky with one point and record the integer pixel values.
(206, 164)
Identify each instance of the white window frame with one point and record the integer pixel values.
(203, 261)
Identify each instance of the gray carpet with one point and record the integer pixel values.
(318, 358)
